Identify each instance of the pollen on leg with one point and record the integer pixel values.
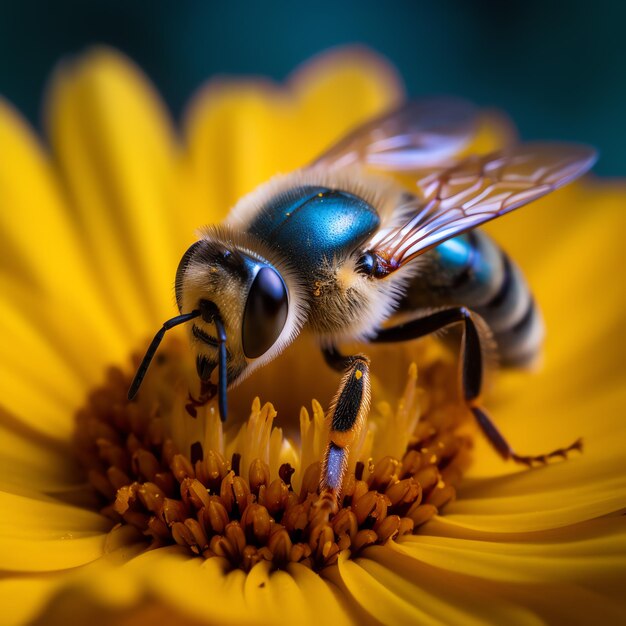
(181, 480)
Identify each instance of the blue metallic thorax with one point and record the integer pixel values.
(310, 224)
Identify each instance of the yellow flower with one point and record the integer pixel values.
(91, 232)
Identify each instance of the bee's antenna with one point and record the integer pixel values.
(210, 313)
(222, 382)
(147, 359)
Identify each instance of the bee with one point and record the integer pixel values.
(343, 250)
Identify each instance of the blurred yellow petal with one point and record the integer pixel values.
(41, 244)
(336, 92)
(32, 461)
(23, 598)
(50, 295)
(241, 133)
(115, 150)
(32, 359)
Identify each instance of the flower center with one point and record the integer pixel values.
(163, 465)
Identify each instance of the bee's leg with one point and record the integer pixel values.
(335, 360)
(471, 376)
(345, 419)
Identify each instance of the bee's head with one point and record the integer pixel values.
(246, 292)
(241, 308)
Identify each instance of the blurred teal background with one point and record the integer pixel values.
(559, 68)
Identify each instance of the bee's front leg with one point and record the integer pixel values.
(345, 418)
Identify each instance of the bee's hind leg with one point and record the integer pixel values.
(345, 418)
(471, 377)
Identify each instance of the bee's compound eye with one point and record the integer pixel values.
(180, 272)
(369, 264)
(366, 264)
(265, 314)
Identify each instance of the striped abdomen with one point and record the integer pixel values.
(473, 271)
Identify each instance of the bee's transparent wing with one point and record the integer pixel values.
(421, 133)
(478, 189)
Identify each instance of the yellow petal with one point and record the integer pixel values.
(113, 143)
(200, 589)
(278, 597)
(23, 598)
(394, 589)
(32, 461)
(99, 592)
(204, 591)
(30, 356)
(32, 218)
(41, 246)
(38, 535)
(39, 357)
(501, 514)
(591, 554)
(50, 296)
(543, 601)
(320, 596)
